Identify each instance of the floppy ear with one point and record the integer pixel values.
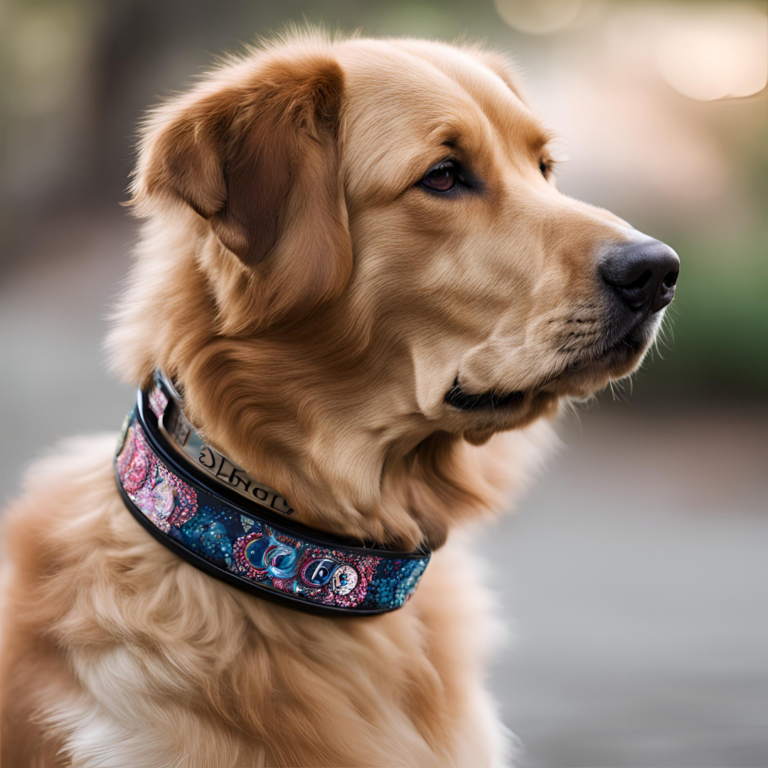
(260, 162)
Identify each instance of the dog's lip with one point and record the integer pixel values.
(628, 340)
(494, 399)
(614, 356)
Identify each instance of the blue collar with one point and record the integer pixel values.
(206, 509)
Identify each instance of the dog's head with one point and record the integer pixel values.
(357, 260)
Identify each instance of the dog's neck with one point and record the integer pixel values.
(167, 404)
(310, 412)
(239, 532)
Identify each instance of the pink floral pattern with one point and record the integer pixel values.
(164, 498)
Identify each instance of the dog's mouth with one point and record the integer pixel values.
(491, 400)
(613, 360)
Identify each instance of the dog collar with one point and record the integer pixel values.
(209, 511)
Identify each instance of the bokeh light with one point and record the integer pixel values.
(715, 52)
(539, 17)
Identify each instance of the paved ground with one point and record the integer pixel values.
(634, 575)
(638, 596)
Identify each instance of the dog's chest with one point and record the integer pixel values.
(249, 684)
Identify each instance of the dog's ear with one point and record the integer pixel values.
(260, 162)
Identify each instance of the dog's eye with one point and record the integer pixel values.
(545, 168)
(441, 177)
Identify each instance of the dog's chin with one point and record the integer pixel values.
(496, 409)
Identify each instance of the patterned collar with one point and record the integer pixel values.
(209, 511)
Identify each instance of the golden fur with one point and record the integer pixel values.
(316, 305)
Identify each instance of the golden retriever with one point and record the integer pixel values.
(357, 265)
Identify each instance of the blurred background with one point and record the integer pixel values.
(638, 596)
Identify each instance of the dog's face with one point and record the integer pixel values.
(383, 257)
(500, 281)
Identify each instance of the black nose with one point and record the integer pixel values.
(642, 274)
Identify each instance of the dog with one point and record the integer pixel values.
(357, 271)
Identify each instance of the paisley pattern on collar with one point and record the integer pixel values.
(246, 546)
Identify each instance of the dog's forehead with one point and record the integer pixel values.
(407, 98)
(418, 68)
